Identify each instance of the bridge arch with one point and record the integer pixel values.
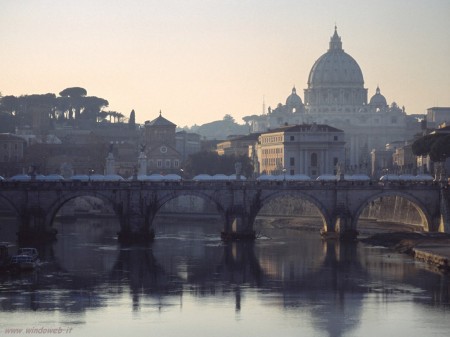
(10, 205)
(64, 198)
(417, 204)
(165, 198)
(265, 199)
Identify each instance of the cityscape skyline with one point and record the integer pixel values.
(199, 60)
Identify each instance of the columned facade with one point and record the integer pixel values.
(310, 149)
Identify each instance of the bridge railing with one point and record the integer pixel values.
(45, 185)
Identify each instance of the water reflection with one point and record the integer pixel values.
(320, 287)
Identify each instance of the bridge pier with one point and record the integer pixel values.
(237, 225)
(33, 226)
(444, 219)
(135, 220)
(343, 228)
(135, 229)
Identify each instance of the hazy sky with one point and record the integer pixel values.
(197, 60)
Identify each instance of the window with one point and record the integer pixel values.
(313, 159)
(159, 163)
(176, 163)
(335, 161)
(335, 137)
(167, 164)
(292, 161)
(292, 172)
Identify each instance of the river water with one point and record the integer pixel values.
(189, 283)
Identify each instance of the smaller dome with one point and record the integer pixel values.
(294, 101)
(378, 100)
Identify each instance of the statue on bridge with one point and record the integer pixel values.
(340, 171)
(142, 148)
(238, 169)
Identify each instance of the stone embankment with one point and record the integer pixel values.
(433, 248)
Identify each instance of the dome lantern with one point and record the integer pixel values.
(335, 41)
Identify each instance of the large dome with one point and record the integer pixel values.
(335, 68)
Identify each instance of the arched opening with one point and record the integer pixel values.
(389, 213)
(91, 218)
(287, 228)
(86, 237)
(189, 215)
(284, 213)
(314, 159)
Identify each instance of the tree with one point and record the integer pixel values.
(120, 117)
(73, 92)
(116, 116)
(132, 120)
(422, 146)
(9, 104)
(435, 145)
(440, 150)
(33, 107)
(92, 107)
(74, 97)
(228, 118)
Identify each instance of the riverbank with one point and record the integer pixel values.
(432, 248)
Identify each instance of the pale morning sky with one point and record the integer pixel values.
(197, 60)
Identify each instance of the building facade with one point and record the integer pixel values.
(238, 145)
(187, 143)
(438, 115)
(310, 149)
(404, 160)
(160, 146)
(11, 154)
(335, 96)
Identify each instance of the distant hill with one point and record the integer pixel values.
(220, 129)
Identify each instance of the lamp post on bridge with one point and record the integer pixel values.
(90, 172)
(181, 173)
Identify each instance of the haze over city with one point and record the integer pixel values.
(198, 60)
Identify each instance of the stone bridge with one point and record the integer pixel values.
(136, 203)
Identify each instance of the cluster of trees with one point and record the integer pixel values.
(211, 163)
(72, 105)
(435, 145)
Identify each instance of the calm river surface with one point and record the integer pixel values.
(189, 283)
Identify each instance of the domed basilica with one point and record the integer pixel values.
(336, 96)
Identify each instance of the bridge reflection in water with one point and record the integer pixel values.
(286, 269)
